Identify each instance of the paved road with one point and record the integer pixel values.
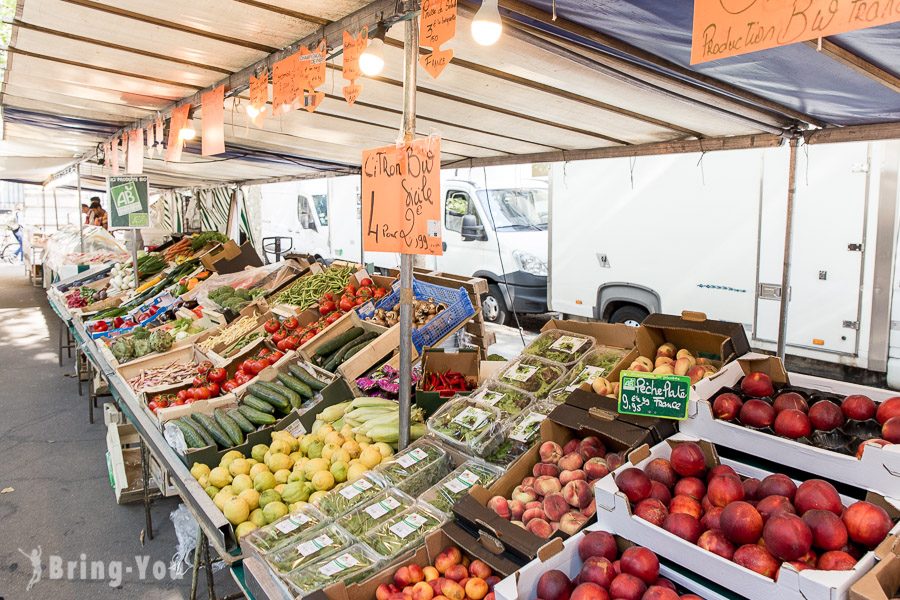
(54, 462)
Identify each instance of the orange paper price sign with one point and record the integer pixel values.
(283, 75)
(437, 26)
(311, 74)
(725, 28)
(401, 202)
(259, 94)
(353, 48)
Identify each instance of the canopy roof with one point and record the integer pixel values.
(607, 77)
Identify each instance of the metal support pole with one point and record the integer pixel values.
(43, 210)
(410, 64)
(78, 208)
(788, 238)
(134, 251)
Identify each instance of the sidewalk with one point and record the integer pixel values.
(54, 461)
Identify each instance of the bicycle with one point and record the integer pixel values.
(9, 246)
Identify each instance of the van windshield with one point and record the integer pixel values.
(517, 208)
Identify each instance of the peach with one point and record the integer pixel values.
(867, 523)
(571, 462)
(643, 360)
(634, 483)
(596, 468)
(457, 573)
(698, 372)
(684, 526)
(724, 489)
(663, 582)
(591, 447)
(690, 486)
(402, 577)
(476, 588)
(757, 384)
(686, 505)
(825, 415)
(567, 476)
(590, 510)
(452, 590)
(720, 470)
(546, 470)
(533, 513)
(516, 509)
(500, 505)
(627, 587)
(652, 511)
(664, 370)
(658, 592)
(478, 568)
(572, 522)
(422, 591)
(792, 423)
(705, 504)
(544, 485)
(528, 482)
(660, 492)
(599, 570)
(741, 523)
(888, 409)
(640, 562)
(890, 431)
(383, 592)
(788, 400)
(614, 460)
(756, 413)
(449, 556)
(589, 591)
(727, 406)
(817, 494)
(578, 493)
(668, 349)
(555, 506)
(534, 504)
(777, 484)
(874, 442)
(554, 585)
(550, 452)
(751, 488)
(683, 365)
(637, 366)
(416, 574)
(437, 584)
(571, 446)
(524, 495)
(757, 559)
(773, 505)
(787, 537)
(715, 541)
(828, 530)
(836, 560)
(601, 386)
(798, 565)
(687, 459)
(685, 353)
(660, 469)
(539, 527)
(712, 519)
(399, 596)
(430, 573)
(492, 580)
(598, 543)
(663, 360)
(858, 407)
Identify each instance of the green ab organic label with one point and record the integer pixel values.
(654, 395)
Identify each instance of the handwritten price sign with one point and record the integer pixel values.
(725, 28)
(401, 198)
(654, 395)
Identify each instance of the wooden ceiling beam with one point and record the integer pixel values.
(857, 63)
(295, 14)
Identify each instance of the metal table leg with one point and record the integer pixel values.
(90, 396)
(210, 588)
(195, 572)
(79, 361)
(59, 338)
(145, 478)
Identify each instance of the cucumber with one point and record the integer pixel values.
(231, 428)
(242, 422)
(257, 404)
(296, 385)
(274, 398)
(332, 363)
(191, 437)
(304, 376)
(338, 341)
(255, 416)
(201, 430)
(363, 339)
(214, 430)
(351, 352)
(279, 388)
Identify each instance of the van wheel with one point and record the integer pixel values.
(493, 306)
(629, 315)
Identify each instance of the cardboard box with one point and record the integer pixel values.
(883, 581)
(439, 360)
(878, 469)
(232, 258)
(123, 461)
(614, 515)
(616, 335)
(522, 585)
(719, 341)
(178, 355)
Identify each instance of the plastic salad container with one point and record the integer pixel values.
(309, 548)
(508, 401)
(444, 494)
(363, 519)
(277, 534)
(350, 495)
(532, 375)
(415, 469)
(404, 531)
(465, 423)
(563, 347)
(356, 563)
(518, 436)
(597, 363)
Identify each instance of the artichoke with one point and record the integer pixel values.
(140, 333)
(123, 349)
(142, 347)
(161, 341)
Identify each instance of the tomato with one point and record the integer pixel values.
(293, 342)
(229, 385)
(153, 405)
(188, 394)
(182, 395)
(327, 307)
(179, 402)
(347, 304)
(204, 367)
(307, 337)
(214, 389)
(242, 377)
(263, 352)
(199, 381)
(291, 323)
(328, 296)
(201, 393)
(245, 366)
(283, 345)
(364, 292)
(217, 375)
(379, 293)
(101, 326)
(365, 282)
(361, 301)
(199, 312)
(272, 325)
(279, 335)
(350, 289)
(274, 357)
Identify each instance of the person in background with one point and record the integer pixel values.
(85, 214)
(15, 225)
(96, 214)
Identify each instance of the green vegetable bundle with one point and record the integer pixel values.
(308, 290)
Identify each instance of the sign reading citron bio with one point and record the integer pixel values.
(654, 395)
(128, 201)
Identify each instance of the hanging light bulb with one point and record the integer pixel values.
(187, 132)
(252, 111)
(487, 26)
(371, 61)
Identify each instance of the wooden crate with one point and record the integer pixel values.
(124, 463)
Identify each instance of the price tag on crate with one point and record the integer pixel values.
(654, 395)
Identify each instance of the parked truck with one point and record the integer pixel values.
(706, 232)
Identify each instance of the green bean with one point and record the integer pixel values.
(306, 292)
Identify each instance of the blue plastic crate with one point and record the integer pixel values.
(387, 302)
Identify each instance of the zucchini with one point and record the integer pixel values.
(305, 376)
(351, 352)
(242, 422)
(363, 339)
(274, 398)
(279, 388)
(214, 430)
(292, 383)
(231, 428)
(332, 362)
(255, 416)
(191, 437)
(201, 430)
(257, 404)
(339, 340)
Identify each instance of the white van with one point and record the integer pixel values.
(494, 226)
(688, 232)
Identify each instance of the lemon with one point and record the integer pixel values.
(263, 482)
(245, 528)
(258, 452)
(370, 457)
(239, 466)
(219, 477)
(199, 470)
(241, 483)
(323, 481)
(257, 469)
(251, 497)
(236, 510)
